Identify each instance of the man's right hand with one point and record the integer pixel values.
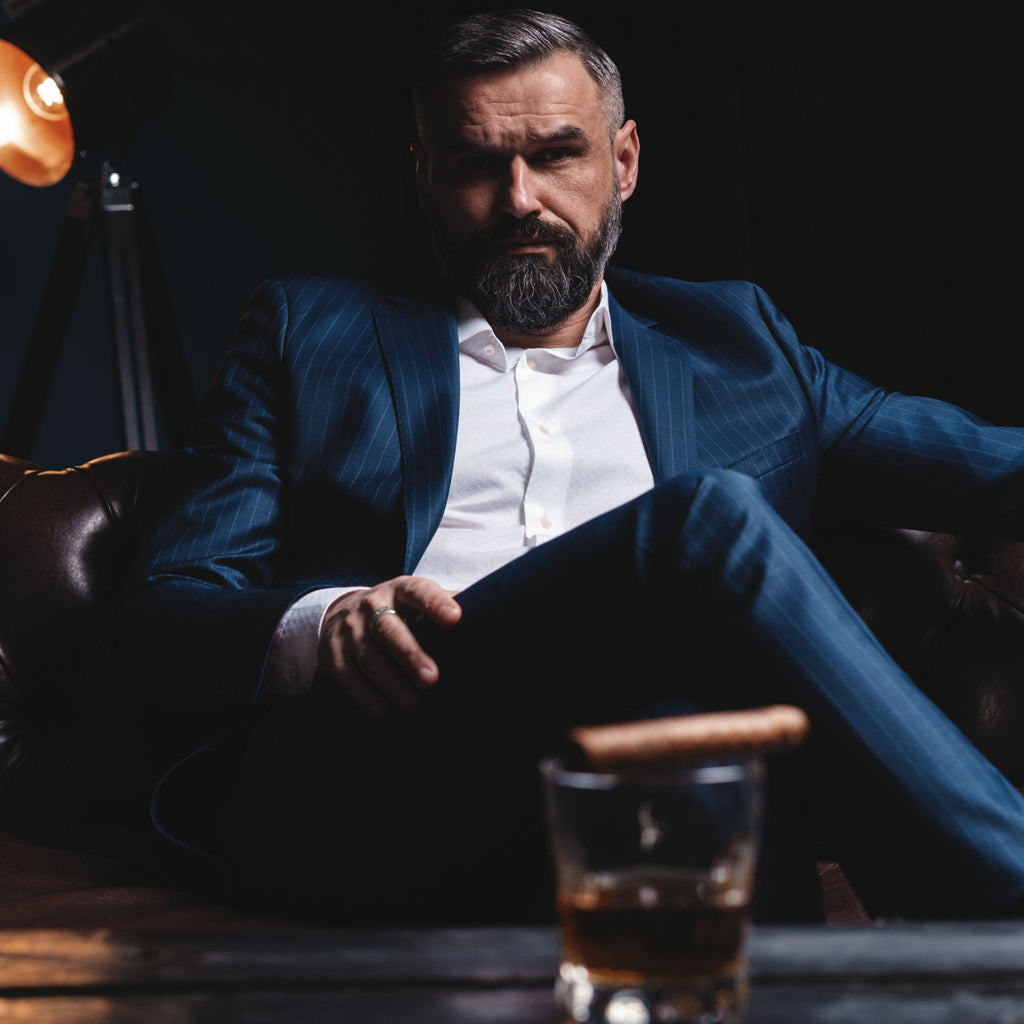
(373, 655)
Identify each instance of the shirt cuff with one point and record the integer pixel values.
(294, 653)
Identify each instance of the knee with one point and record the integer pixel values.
(720, 515)
(690, 517)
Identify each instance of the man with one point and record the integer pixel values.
(425, 533)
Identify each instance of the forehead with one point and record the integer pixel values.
(492, 107)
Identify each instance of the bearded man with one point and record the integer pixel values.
(422, 534)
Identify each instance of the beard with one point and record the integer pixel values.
(529, 293)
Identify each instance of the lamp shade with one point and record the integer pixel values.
(74, 75)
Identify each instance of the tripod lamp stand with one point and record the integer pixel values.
(72, 76)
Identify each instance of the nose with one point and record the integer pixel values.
(519, 195)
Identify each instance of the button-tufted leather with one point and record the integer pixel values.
(950, 610)
(66, 541)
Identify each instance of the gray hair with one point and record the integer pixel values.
(512, 39)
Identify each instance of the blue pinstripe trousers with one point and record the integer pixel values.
(634, 607)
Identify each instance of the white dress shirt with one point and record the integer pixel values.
(547, 439)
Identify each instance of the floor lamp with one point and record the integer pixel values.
(73, 75)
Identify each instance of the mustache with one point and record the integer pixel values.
(511, 229)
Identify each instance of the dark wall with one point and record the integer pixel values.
(865, 164)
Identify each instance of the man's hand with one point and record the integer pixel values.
(372, 654)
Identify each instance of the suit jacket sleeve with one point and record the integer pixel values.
(904, 460)
(198, 621)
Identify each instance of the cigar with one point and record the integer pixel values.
(685, 739)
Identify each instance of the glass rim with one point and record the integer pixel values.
(707, 772)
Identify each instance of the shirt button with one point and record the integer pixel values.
(490, 349)
(543, 429)
(545, 522)
(531, 363)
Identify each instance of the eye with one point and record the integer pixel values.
(556, 154)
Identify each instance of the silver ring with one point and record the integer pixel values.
(383, 610)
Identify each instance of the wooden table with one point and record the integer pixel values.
(930, 974)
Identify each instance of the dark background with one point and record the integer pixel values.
(862, 159)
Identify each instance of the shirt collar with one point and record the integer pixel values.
(478, 340)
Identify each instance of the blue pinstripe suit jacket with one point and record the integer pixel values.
(325, 447)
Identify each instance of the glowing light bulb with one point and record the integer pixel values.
(43, 94)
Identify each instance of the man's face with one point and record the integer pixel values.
(523, 180)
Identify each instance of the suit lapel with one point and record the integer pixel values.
(420, 348)
(660, 379)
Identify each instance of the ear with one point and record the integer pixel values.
(627, 157)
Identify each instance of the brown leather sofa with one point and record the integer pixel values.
(74, 847)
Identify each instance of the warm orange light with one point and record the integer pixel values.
(37, 144)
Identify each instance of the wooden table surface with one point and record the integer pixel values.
(927, 973)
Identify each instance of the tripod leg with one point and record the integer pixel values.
(152, 372)
(51, 325)
(127, 315)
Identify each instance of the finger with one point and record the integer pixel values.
(377, 614)
(362, 667)
(382, 672)
(339, 661)
(414, 594)
(393, 635)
